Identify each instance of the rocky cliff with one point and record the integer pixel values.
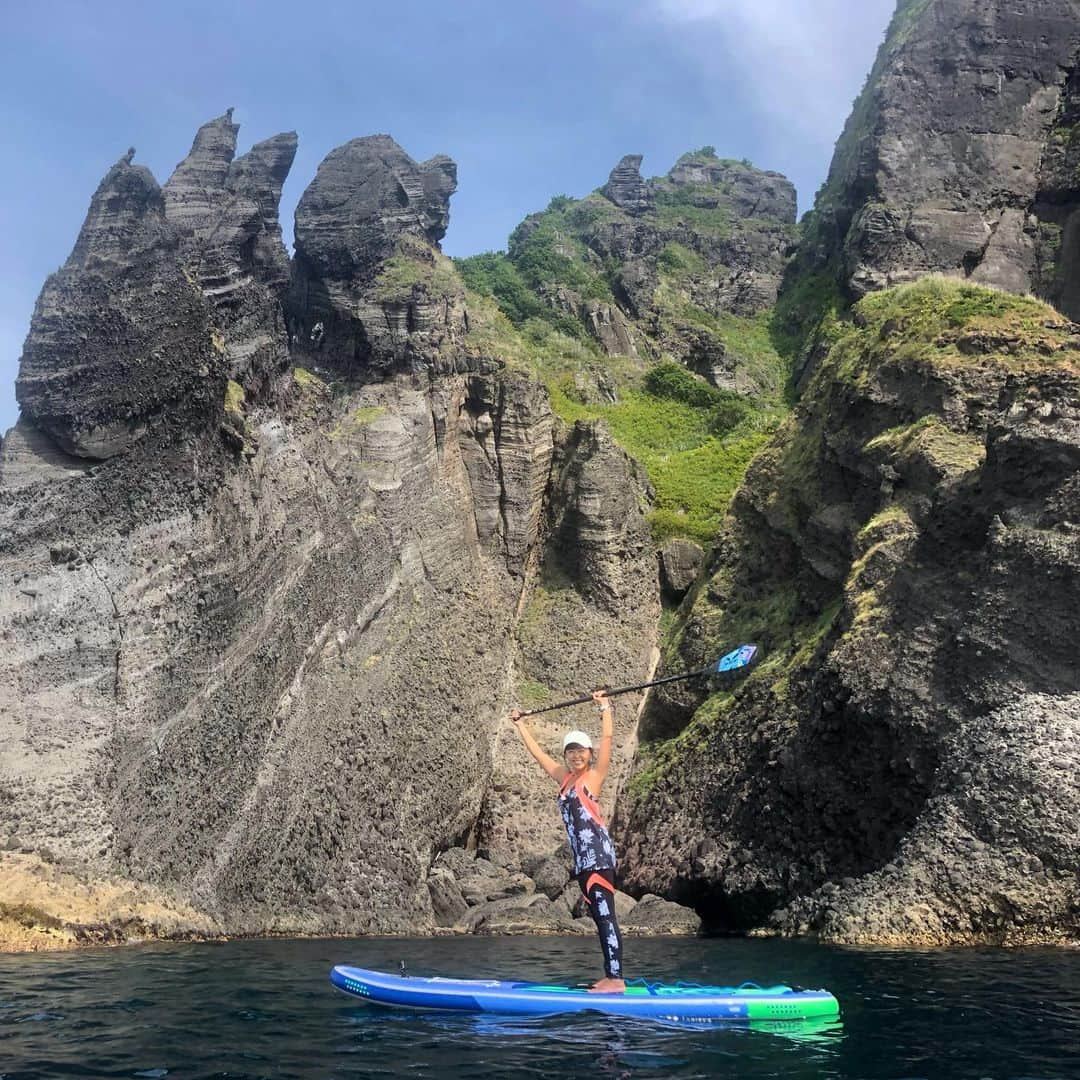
(282, 539)
(267, 531)
(956, 159)
(903, 766)
(905, 196)
(682, 266)
(648, 305)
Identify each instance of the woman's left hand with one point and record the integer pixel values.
(601, 699)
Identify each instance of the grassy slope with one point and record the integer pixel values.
(693, 462)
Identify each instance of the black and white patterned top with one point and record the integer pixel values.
(585, 827)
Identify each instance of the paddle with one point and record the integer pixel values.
(739, 661)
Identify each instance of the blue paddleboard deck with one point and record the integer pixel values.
(677, 1002)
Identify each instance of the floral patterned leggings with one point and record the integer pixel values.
(598, 888)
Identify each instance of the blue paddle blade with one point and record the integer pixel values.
(742, 657)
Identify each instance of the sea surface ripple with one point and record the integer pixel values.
(250, 1009)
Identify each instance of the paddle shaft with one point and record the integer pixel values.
(620, 690)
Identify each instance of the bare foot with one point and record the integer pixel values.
(608, 986)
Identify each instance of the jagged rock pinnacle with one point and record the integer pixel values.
(625, 186)
(365, 195)
(120, 299)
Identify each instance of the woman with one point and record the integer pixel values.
(580, 780)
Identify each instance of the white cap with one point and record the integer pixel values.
(576, 737)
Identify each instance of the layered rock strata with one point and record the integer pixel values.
(625, 186)
(168, 293)
(120, 339)
(588, 619)
(225, 210)
(261, 593)
(199, 703)
(369, 289)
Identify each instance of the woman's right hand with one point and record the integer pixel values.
(515, 717)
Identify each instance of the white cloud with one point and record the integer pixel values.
(802, 60)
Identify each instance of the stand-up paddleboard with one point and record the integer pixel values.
(679, 1002)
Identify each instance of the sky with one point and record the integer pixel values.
(531, 98)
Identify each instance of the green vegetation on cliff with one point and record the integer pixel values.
(945, 321)
(939, 333)
(808, 311)
(234, 399)
(683, 205)
(532, 305)
(748, 342)
(545, 254)
(493, 274)
(548, 255)
(693, 467)
(694, 440)
(415, 265)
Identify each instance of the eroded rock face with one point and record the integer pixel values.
(251, 643)
(506, 453)
(681, 562)
(907, 552)
(258, 649)
(28, 456)
(1057, 275)
(751, 193)
(588, 618)
(625, 186)
(120, 340)
(370, 291)
(167, 293)
(745, 263)
(711, 235)
(606, 322)
(225, 210)
(905, 197)
(599, 537)
(667, 267)
(975, 861)
(228, 206)
(193, 192)
(365, 195)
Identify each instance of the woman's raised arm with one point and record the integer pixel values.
(607, 732)
(557, 772)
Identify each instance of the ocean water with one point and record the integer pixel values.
(248, 1009)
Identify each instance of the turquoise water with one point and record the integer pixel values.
(251, 1009)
